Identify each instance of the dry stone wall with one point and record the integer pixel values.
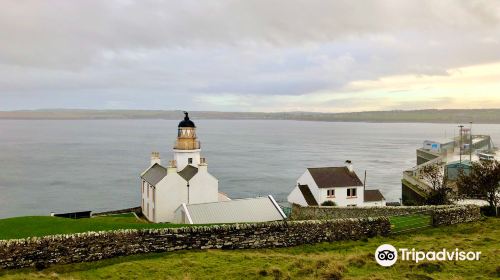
(442, 214)
(450, 216)
(91, 246)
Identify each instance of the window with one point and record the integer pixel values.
(351, 192)
(148, 191)
(330, 193)
(190, 160)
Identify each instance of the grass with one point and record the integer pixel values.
(408, 222)
(22, 227)
(337, 260)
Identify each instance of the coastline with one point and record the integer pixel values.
(482, 116)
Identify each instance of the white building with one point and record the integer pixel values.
(340, 185)
(260, 209)
(184, 180)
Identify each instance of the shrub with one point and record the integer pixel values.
(328, 203)
(488, 211)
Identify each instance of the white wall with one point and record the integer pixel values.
(374, 203)
(203, 187)
(296, 197)
(147, 200)
(179, 215)
(182, 156)
(307, 179)
(341, 198)
(171, 192)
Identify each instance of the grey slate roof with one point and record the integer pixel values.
(308, 196)
(188, 172)
(331, 177)
(373, 195)
(154, 174)
(157, 172)
(261, 209)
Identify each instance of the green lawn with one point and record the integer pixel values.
(409, 222)
(21, 227)
(346, 260)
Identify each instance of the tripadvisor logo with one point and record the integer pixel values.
(387, 255)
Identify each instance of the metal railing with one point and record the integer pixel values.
(416, 182)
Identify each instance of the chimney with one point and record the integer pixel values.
(348, 164)
(155, 158)
(172, 167)
(203, 166)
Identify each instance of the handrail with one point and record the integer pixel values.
(416, 182)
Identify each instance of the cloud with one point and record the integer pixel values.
(467, 87)
(158, 54)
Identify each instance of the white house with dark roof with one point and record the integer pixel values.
(184, 180)
(340, 185)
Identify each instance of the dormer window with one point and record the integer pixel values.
(330, 193)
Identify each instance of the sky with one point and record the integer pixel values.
(250, 55)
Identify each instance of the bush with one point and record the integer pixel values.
(328, 203)
(438, 197)
(488, 211)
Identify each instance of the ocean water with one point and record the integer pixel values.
(55, 166)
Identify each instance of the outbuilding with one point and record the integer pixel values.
(248, 210)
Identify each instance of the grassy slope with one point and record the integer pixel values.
(349, 259)
(21, 227)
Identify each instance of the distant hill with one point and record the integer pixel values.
(430, 116)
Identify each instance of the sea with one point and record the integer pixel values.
(76, 165)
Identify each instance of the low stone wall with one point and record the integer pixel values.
(441, 215)
(456, 215)
(333, 212)
(91, 246)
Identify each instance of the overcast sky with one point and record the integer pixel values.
(251, 55)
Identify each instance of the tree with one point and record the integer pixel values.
(434, 175)
(483, 182)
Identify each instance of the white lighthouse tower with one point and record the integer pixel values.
(187, 148)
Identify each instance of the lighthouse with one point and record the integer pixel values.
(183, 191)
(187, 147)
(184, 180)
